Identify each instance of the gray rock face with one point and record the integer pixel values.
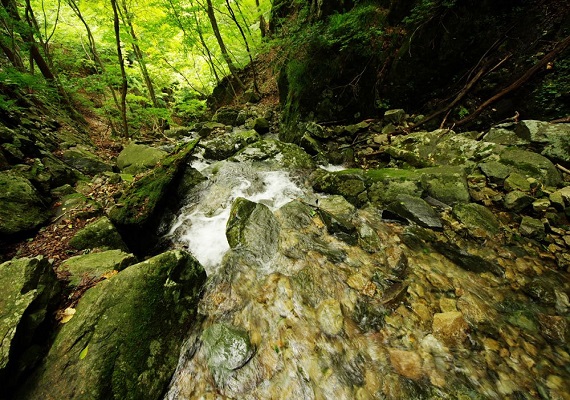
(29, 290)
(99, 234)
(254, 227)
(417, 210)
(81, 158)
(124, 340)
(21, 208)
(554, 138)
(137, 158)
(532, 165)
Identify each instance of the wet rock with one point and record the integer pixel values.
(125, 337)
(207, 128)
(329, 315)
(254, 227)
(29, 290)
(21, 208)
(450, 327)
(227, 347)
(91, 267)
(554, 328)
(557, 198)
(406, 363)
(311, 145)
(517, 181)
(348, 183)
(261, 125)
(84, 160)
(227, 145)
(466, 260)
(417, 210)
(542, 289)
(285, 155)
(531, 165)
(517, 201)
(388, 183)
(339, 226)
(495, 171)
(478, 219)
(368, 239)
(532, 228)
(446, 184)
(99, 234)
(137, 158)
(395, 116)
(226, 116)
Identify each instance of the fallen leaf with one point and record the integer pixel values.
(68, 313)
(83, 353)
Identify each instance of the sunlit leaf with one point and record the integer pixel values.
(68, 313)
(83, 353)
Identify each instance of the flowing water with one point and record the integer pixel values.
(369, 313)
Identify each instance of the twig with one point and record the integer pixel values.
(560, 47)
(561, 168)
(561, 120)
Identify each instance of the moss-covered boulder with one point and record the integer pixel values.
(226, 116)
(416, 210)
(350, 183)
(93, 266)
(30, 291)
(21, 208)
(81, 158)
(446, 184)
(252, 226)
(388, 183)
(532, 165)
(478, 219)
(124, 340)
(99, 234)
(136, 158)
(227, 145)
(285, 155)
(553, 139)
(261, 125)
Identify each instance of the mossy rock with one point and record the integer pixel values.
(78, 205)
(30, 291)
(137, 158)
(226, 145)
(478, 219)
(124, 340)
(140, 202)
(92, 266)
(388, 183)
(285, 155)
(416, 210)
(81, 158)
(21, 208)
(532, 165)
(446, 184)
(349, 183)
(99, 234)
(227, 347)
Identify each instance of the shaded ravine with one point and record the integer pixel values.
(316, 299)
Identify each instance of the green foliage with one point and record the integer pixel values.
(361, 27)
(552, 94)
(188, 107)
(426, 10)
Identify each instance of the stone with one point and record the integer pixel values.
(516, 181)
(78, 205)
(81, 158)
(446, 184)
(517, 201)
(531, 227)
(208, 127)
(450, 327)
(531, 165)
(91, 267)
(226, 116)
(504, 134)
(21, 208)
(137, 158)
(495, 171)
(557, 200)
(348, 183)
(125, 337)
(227, 145)
(254, 227)
(178, 132)
(261, 125)
(554, 139)
(99, 234)
(227, 347)
(396, 116)
(541, 205)
(339, 226)
(466, 260)
(329, 315)
(416, 210)
(554, 328)
(386, 184)
(406, 363)
(478, 219)
(30, 291)
(284, 155)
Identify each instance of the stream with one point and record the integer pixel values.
(320, 300)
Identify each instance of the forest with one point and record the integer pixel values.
(289, 199)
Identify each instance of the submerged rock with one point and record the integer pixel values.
(478, 219)
(125, 337)
(30, 291)
(227, 347)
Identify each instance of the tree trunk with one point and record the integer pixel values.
(123, 107)
(223, 49)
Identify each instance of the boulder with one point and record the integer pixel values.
(396, 116)
(21, 208)
(93, 266)
(388, 183)
(503, 134)
(30, 292)
(446, 184)
(227, 145)
(137, 158)
(82, 159)
(532, 227)
(516, 181)
(99, 234)
(416, 210)
(495, 171)
(261, 125)
(227, 348)
(253, 226)
(124, 340)
(226, 116)
(531, 165)
(554, 139)
(478, 219)
(348, 183)
(207, 128)
(517, 201)
(284, 155)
